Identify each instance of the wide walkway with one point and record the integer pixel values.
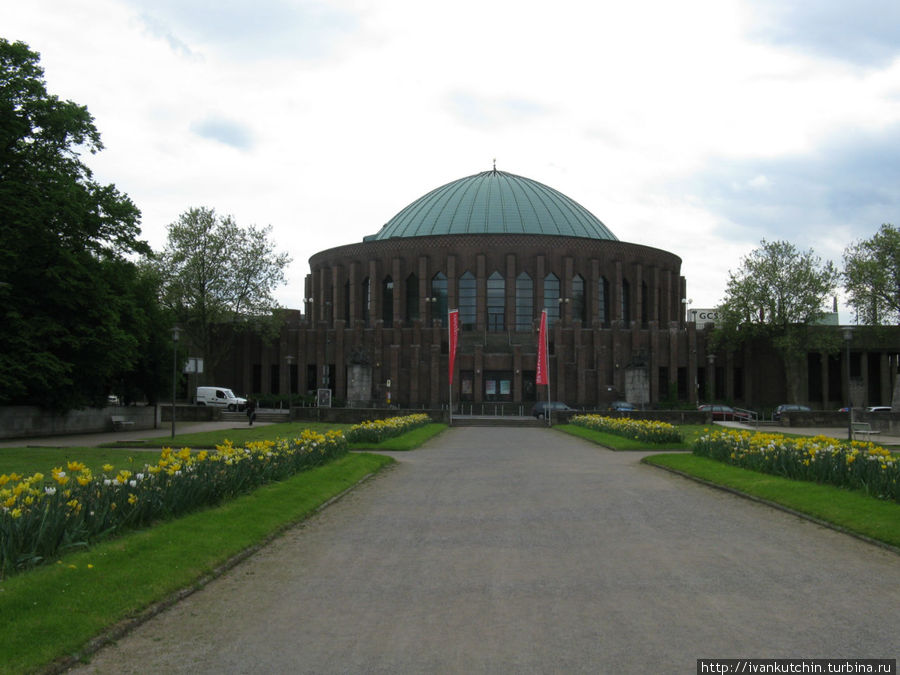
(529, 551)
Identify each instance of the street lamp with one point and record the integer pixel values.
(848, 335)
(687, 307)
(175, 332)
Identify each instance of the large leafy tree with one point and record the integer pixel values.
(872, 277)
(219, 277)
(69, 302)
(779, 293)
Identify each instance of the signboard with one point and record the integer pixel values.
(194, 365)
(704, 316)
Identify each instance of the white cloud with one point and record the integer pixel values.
(694, 127)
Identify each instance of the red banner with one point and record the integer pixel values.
(541, 376)
(453, 327)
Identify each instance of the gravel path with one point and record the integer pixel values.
(529, 551)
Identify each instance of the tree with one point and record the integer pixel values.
(872, 277)
(67, 301)
(218, 276)
(778, 294)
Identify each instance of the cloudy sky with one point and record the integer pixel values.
(700, 127)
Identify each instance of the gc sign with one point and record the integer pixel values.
(704, 316)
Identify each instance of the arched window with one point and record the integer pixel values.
(439, 298)
(467, 301)
(603, 300)
(524, 302)
(412, 297)
(551, 298)
(626, 302)
(366, 300)
(387, 301)
(578, 306)
(496, 302)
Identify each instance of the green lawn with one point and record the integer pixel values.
(58, 608)
(851, 510)
(239, 435)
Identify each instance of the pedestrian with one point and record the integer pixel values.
(251, 411)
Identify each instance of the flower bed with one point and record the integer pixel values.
(42, 518)
(648, 431)
(375, 431)
(859, 465)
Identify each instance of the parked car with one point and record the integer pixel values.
(788, 408)
(540, 408)
(724, 412)
(622, 406)
(879, 408)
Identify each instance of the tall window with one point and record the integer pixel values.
(626, 302)
(578, 306)
(645, 303)
(603, 300)
(467, 301)
(439, 294)
(524, 302)
(496, 302)
(387, 301)
(347, 302)
(551, 298)
(366, 300)
(412, 297)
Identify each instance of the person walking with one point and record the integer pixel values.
(251, 411)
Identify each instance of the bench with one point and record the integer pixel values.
(119, 422)
(863, 429)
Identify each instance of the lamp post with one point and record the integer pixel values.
(175, 331)
(848, 335)
(687, 307)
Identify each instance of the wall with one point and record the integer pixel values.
(30, 421)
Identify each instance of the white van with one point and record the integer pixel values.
(220, 397)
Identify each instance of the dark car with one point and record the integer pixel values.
(540, 408)
(788, 408)
(724, 412)
(622, 406)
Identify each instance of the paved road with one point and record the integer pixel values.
(529, 551)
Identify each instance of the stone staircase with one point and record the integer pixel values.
(496, 421)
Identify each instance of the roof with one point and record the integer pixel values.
(494, 202)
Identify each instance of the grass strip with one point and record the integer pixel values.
(239, 435)
(614, 442)
(56, 610)
(852, 511)
(408, 441)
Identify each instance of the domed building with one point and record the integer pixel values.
(500, 248)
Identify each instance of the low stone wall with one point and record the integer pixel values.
(31, 421)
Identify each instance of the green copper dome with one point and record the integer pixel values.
(494, 202)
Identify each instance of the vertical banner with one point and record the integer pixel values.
(453, 327)
(541, 376)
